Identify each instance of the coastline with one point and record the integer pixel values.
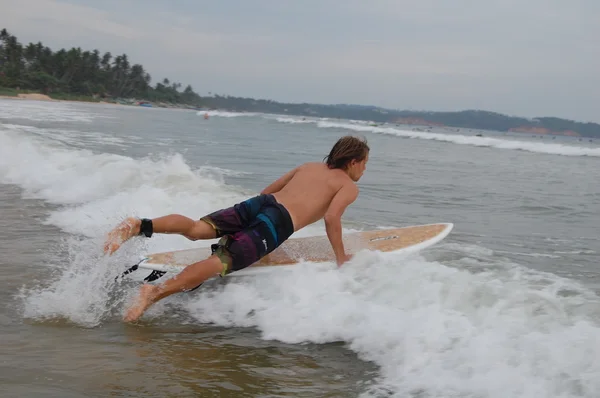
(30, 96)
(46, 98)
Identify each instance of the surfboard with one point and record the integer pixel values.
(313, 249)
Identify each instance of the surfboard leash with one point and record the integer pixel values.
(154, 275)
(129, 270)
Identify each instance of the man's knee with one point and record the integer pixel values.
(201, 230)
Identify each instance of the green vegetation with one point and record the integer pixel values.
(8, 91)
(84, 75)
(73, 97)
(89, 76)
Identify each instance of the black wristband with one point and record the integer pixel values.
(146, 227)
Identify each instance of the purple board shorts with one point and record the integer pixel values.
(249, 231)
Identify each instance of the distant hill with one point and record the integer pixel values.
(473, 119)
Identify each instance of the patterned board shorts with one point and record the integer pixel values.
(249, 231)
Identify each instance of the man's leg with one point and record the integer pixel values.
(191, 276)
(171, 224)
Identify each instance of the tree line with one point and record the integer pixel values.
(82, 73)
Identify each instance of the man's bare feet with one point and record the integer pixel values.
(146, 297)
(127, 229)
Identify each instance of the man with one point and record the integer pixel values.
(254, 228)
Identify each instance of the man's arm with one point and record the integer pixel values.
(333, 220)
(278, 184)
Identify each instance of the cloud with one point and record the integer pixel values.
(538, 57)
(46, 15)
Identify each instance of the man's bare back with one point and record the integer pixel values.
(309, 192)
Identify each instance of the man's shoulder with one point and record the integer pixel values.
(311, 165)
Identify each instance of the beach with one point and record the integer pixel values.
(31, 97)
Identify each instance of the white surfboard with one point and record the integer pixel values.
(315, 249)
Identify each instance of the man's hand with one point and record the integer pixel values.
(333, 220)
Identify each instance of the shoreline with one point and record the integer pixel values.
(30, 96)
(46, 98)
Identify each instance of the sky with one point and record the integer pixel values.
(523, 58)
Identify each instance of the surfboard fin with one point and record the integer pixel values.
(154, 276)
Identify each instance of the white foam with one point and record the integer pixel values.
(293, 120)
(515, 144)
(552, 149)
(215, 113)
(370, 127)
(433, 330)
(226, 172)
(105, 187)
(77, 138)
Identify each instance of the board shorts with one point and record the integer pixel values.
(249, 231)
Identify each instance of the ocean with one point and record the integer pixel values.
(506, 306)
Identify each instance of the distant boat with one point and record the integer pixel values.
(145, 104)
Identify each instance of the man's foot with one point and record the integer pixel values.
(146, 297)
(129, 228)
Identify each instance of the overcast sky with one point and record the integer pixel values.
(526, 58)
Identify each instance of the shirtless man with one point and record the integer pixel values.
(252, 229)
